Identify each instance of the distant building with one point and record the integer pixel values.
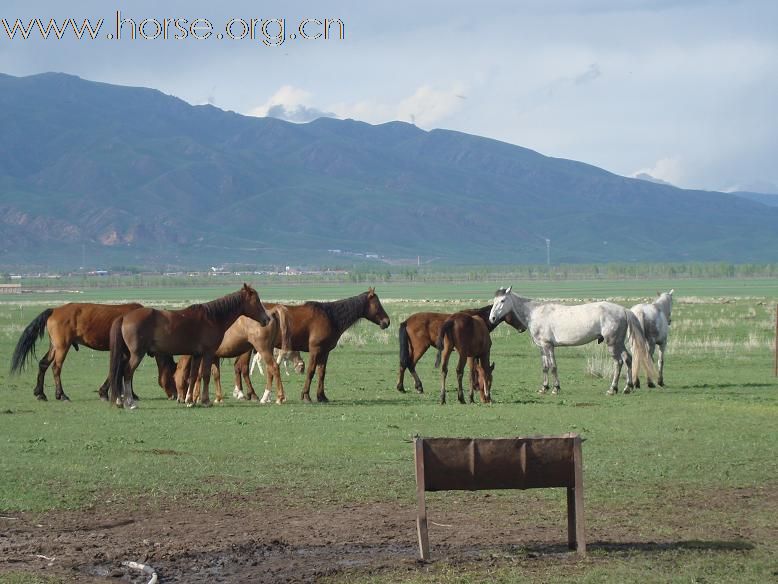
(10, 288)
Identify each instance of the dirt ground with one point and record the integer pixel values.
(263, 542)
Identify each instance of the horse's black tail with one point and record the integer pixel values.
(26, 345)
(405, 353)
(445, 331)
(119, 354)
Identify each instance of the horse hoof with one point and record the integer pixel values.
(322, 399)
(218, 402)
(651, 384)
(627, 389)
(305, 397)
(661, 383)
(41, 397)
(555, 391)
(612, 391)
(400, 388)
(190, 404)
(206, 404)
(63, 397)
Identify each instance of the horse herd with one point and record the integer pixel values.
(239, 324)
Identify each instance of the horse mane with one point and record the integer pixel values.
(342, 313)
(221, 306)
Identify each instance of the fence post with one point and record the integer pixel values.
(775, 341)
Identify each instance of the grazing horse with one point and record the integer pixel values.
(196, 330)
(242, 337)
(557, 325)
(470, 336)
(655, 319)
(420, 332)
(71, 325)
(317, 326)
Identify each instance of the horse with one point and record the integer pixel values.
(196, 330)
(420, 331)
(284, 358)
(242, 337)
(470, 336)
(655, 318)
(557, 325)
(71, 325)
(317, 327)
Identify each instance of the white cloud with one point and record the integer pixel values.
(665, 169)
(425, 107)
(290, 103)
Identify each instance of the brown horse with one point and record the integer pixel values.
(470, 336)
(317, 327)
(71, 325)
(420, 332)
(244, 335)
(197, 330)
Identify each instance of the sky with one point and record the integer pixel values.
(685, 91)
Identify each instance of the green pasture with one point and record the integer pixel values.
(711, 433)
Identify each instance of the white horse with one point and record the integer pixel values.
(655, 319)
(557, 325)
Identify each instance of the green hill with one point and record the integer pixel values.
(131, 175)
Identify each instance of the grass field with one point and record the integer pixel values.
(681, 483)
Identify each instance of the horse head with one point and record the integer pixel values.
(375, 312)
(501, 305)
(252, 305)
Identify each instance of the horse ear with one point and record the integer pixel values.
(671, 291)
(371, 291)
(491, 367)
(508, 290)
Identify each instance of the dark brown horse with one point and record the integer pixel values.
(244, 336)
(421, 331)
(197, 330)
(469, 335)
(317, 326)
(71, 325)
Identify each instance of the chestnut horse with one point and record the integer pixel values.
(317, 327)
(420, 332)
(244, 335)
(71, 325)
(196, 330)
(470, 336)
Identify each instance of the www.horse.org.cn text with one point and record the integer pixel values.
(266, 31)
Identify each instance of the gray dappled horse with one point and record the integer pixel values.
(557, 325)
(655, 319)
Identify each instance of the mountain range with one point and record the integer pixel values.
(109, 175)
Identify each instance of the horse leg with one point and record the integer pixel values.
(417, 354)
(205, 368)
(194, 379)
(102, 392)
(545, 364)
(651, 346)
(129, 372)
(460, 374)
(485, 394)
(56, 369)
(473, 378)
(280, 395)
(321, 371)
(443, 372)
(616, 354)
(627, 359)
(43, 365)
(217, 380)
(237, 391)
(552, 367)
(306, 393)
(662, 347)
(271, 369)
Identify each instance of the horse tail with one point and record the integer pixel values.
(26, 345)
(117, 361)
(445, 331)
(285, 324)
(641, 358)
(405, 345)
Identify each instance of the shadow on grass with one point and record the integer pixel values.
(647, 547)
(717, 386)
